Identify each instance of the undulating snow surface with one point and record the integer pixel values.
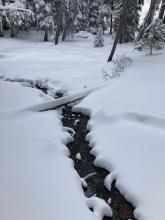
(127, 129)
(128, 134)
(72, 66)
(37, 179)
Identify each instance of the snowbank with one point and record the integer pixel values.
(128, 134)
(38, 181)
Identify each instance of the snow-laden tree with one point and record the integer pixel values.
(94, 16)
(44, 17)
(1, 21)
(81, 22)
(16, 16)
(107, 10)
(132, 19)
(162, 10)
(153, 37)
(148, 18)
(70, 13)
(99, 40)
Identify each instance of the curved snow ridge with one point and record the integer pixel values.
(134, 154)
(99, 206)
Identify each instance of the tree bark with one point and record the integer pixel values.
(1, 28)
(111, 24)
(13, 31)
(111, 19)
(59, 22)
(164, 19)
(151, 47)
(120, 29)
(162, 9)
(46, 36)
(148, 19)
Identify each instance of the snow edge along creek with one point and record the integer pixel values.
(99, 204)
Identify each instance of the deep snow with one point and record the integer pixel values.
(127, 129)
(37, 179)
(128, 134)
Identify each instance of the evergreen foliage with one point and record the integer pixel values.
(132, 19)
(99, 40)
(153, 37)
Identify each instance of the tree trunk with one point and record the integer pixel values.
(59, 22)
(111, 19)
(46, 36)
(1, 28)
(111, 25)
(151, 47)
(162, 9)
(164, 19)
(13, 31)
(66, 28)
(120, 29)
(64, 34)
(148, 19)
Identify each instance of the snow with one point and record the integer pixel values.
(127, 134)
(126, 128)
(37, 177)
(73, 65)
(78, 156)
(99, 207)
(15, 99)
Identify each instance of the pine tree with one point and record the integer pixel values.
(108, 8)
(162, 10)
(16, 16)
(132, 20)
(1, 21)
(70, 13)
(148, 18)
(153, 36)
(99, 40)
(81, 22)
(94, 16)
(120, 28)
(44, 17)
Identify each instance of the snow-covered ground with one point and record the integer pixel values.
(71, 65)
(128, 134)
(127, 129)
(37, 179)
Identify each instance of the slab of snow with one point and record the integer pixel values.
(13, 96)
(128, 134)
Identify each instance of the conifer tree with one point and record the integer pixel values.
(132, 19)
(153, 36)
(99, 40)
(81, 22)
(148, 18)
(94, 16)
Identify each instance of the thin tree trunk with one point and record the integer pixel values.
(164, 19)
(59, 22)
(64, 34)
(151, 47)
(46, 36)
(111, 24)
(120, 29)
(148, 19)
(162, 9)
(66, 28)
(13, 31)
(111, 19)
(1, 28)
